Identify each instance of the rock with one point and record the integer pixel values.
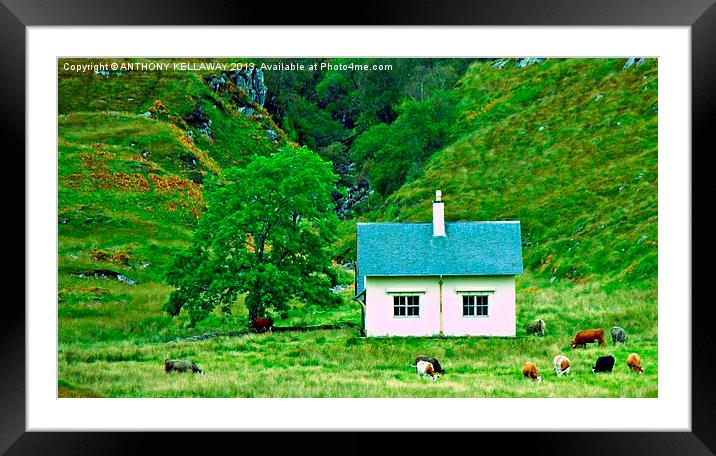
(339, 288)
(106, 274)
(599, 96)
(125, 279)
(521, 63)
(631, 61)
(357, 193)
(216, 83)
(197, 118)
(272, 135)
(499, 64)
(188, 159)
(542, 127)
(252, 81)
(246, 110)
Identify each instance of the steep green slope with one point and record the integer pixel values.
(566, 146)
(136, 150)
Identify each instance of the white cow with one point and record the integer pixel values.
(561, 365)
(425, 369)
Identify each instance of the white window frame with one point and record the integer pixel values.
(474, 294)
(406, 295)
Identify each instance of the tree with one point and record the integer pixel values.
(267, 232)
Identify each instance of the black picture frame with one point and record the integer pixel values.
(699, 15)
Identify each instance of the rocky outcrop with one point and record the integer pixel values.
(251, 81)
(519, 63)
(356, 194)
(631, 61)
(199, 120)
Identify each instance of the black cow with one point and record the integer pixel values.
(436, 365)
(604, 364)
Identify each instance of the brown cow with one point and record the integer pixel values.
(262, 324)
(529, 369)
(588, 336)
(634, 363)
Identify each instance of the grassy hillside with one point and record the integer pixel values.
(566, 146)
(131, 176)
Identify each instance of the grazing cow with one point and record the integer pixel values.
(634, 363)
(436, 365)
(181, 365)
(587, 336)
(529, 369)
(604, 364)
(561, 365)
(618, 334)
(262, 324)
(536, 327)
(425, 369)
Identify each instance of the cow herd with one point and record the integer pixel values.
(581, 339)
(430, 367)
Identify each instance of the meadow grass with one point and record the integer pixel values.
(124, 356)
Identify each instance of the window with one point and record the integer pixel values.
(406, 306)
(474, 306)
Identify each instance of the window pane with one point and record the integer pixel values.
(413, 311)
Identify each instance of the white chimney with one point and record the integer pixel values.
(438, 215)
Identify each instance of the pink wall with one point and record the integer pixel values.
(379, 306)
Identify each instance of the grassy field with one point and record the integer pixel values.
(123, 356)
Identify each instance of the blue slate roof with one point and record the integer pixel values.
(410, 249)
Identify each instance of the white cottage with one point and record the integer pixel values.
(428, 279)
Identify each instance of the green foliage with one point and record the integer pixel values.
(393, 153)
(267, 233)
(307, 125)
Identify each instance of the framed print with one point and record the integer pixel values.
(470, 221)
